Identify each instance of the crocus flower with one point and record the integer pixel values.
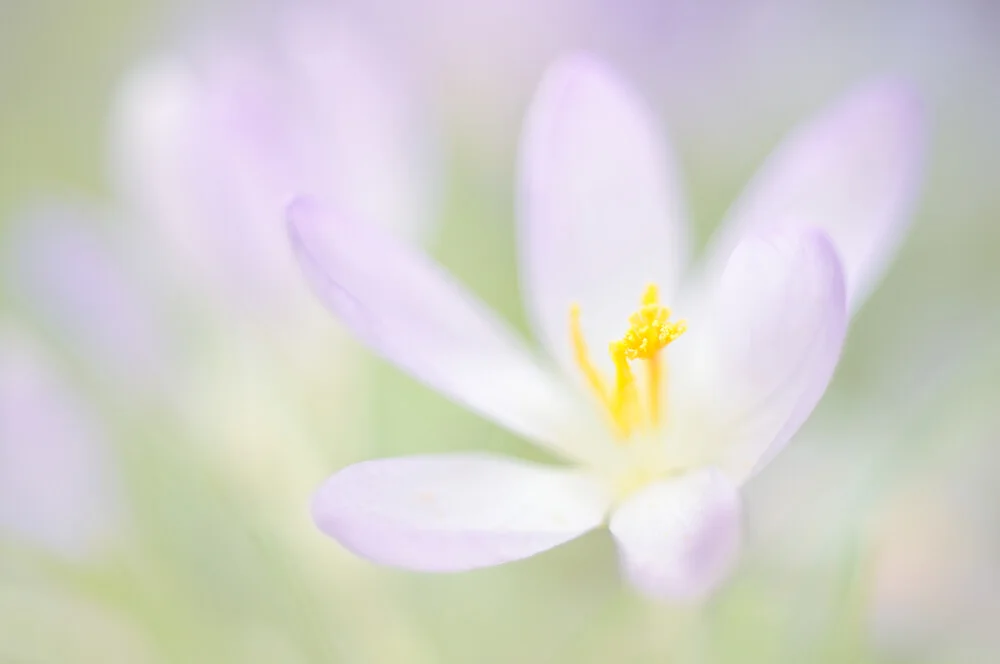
(662, 418)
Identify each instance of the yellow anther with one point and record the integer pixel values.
(650, 331)
(650, 328)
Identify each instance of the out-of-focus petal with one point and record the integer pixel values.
(679, 538)
(408, 309)
(365, 132)
(56, 476)
(449, 513)
(153, 132)
(213, 142)
(600, 208)
(854, 172)
(773, 338)
(485, 56)
(61, 270)
(203, 151)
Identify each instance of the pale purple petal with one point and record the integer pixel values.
(449, 513)
(57, 481)
(600, 208)
(771, 343)
(854, 171)
(679, 538)
(63, 271)
(203, 152)
(409, 310)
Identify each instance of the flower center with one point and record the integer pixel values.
(650, 331)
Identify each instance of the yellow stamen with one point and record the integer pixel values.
(653, 372)
(650, 331)
(590, 372)
(625, 410)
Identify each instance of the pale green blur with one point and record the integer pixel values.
(220, 563)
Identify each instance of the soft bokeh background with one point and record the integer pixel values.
(159, 447)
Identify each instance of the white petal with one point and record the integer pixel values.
(449, 513)
(409, 310)
(600, 208)
(773, 340)
(854, 171)
(679, 538)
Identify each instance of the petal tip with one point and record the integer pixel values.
(578, 64)
(334, 515)
(580, 71)
(305, 219)
(320, 508)
(825, 250)
(820, 249)
(815, 242)
(899, 94)
(894, 104)
(680, 540)
(299, 209)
